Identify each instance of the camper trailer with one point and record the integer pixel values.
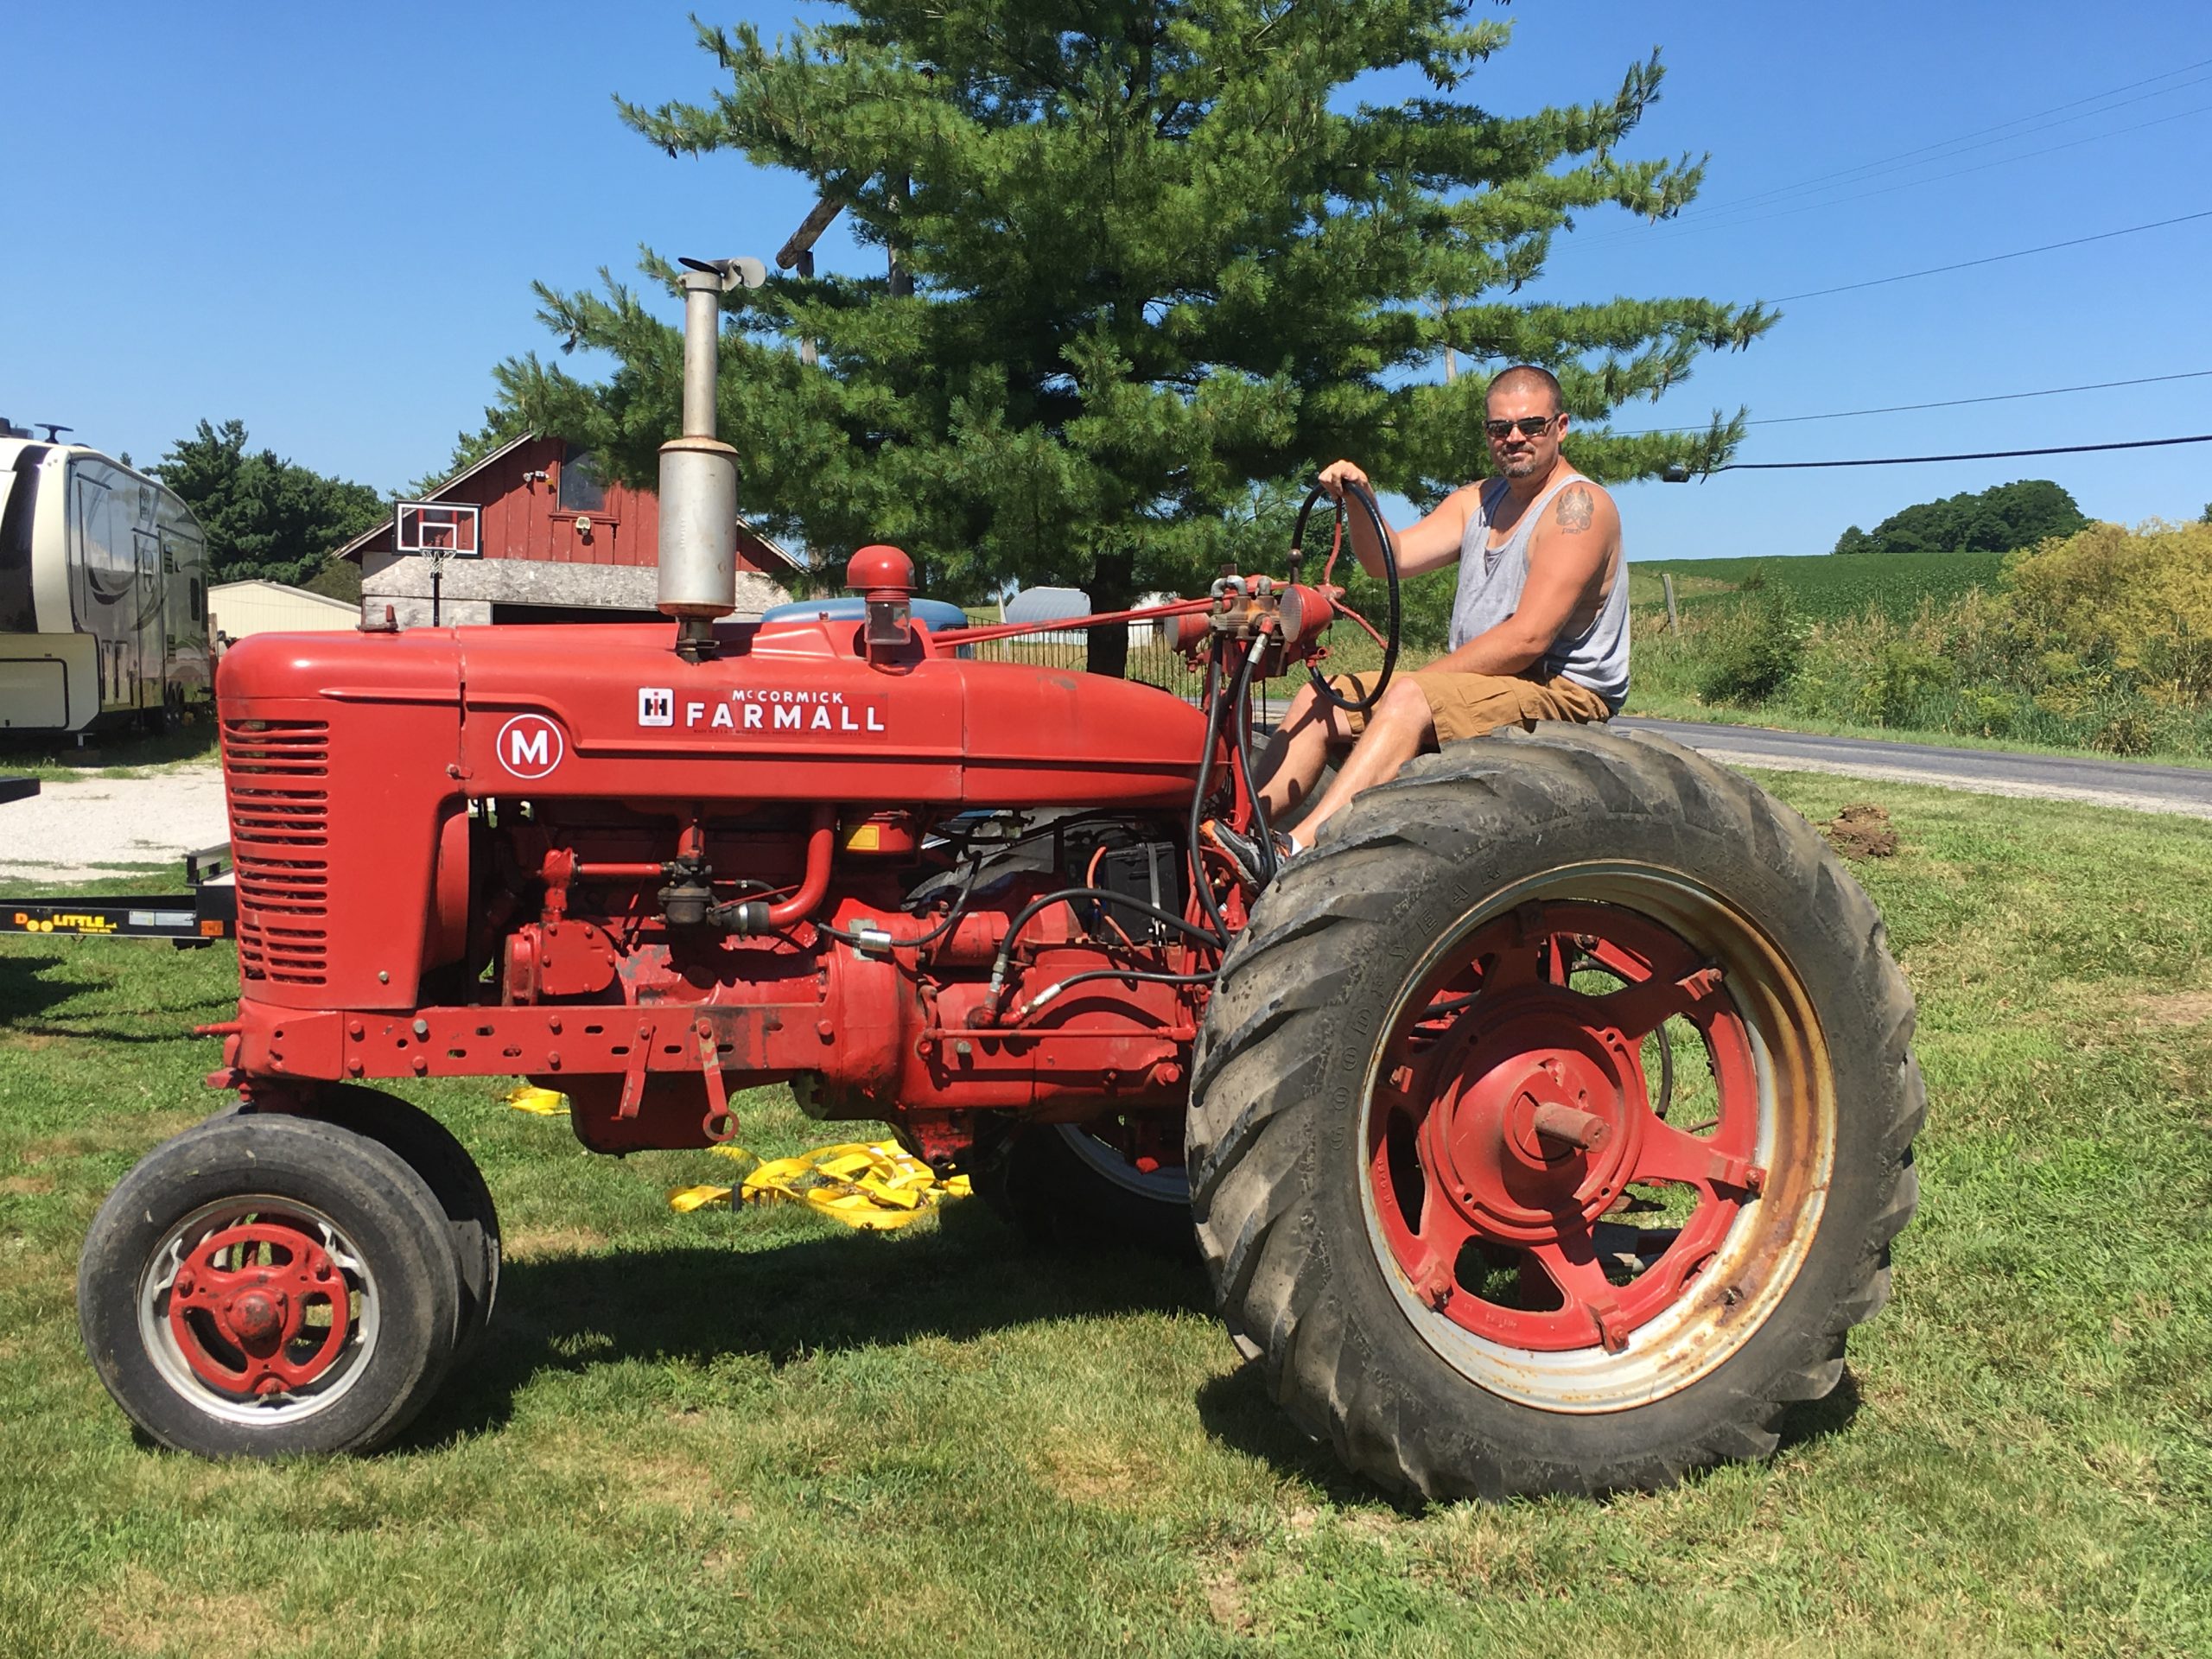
(102, 593)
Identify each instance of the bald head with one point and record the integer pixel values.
(1527, 380)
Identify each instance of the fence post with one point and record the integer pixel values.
(1673, 618)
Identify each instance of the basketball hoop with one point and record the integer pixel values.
(437, 530)
(441, 529)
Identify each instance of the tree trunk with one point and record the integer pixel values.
(1113, 588)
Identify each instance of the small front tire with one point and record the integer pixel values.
(264, 1286)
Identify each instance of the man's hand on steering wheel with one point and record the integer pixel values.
(1338, 474)
(1347, 483)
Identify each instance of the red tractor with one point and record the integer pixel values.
(1544, 1128)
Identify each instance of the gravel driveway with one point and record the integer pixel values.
(81, 828)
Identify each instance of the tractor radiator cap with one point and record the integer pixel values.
(881, 568)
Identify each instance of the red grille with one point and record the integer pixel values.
(280, 828)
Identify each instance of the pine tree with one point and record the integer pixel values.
(1148, 264)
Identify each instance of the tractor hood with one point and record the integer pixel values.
(788, 710)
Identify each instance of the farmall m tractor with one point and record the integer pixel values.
(1544, 1128)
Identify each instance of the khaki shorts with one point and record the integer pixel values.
(1474, 705)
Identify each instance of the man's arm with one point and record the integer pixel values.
(1430, 545)
(1567, 558)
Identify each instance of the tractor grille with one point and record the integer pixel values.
(275, 771)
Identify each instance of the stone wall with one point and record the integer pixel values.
(471, 587)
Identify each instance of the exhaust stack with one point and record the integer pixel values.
(698, 473)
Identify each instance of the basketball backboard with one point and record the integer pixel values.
(444, 528)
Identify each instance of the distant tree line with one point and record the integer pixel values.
(1995, 520)
(266, 516)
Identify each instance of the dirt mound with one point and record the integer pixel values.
(1862, 830)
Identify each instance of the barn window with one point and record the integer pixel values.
(580, 488)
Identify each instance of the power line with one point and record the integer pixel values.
(1913, 460)
(1979, 132)
(1923, 154)
(1995, 258)
(1947, 403)
(1733, 219)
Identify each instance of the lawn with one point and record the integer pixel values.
(753, 1433)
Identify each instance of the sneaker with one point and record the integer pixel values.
(1253, 865)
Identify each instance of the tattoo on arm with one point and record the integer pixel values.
(1575, 507)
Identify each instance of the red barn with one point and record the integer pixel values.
(558, 545)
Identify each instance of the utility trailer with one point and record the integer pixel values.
(1543, 1128)
(208, 910)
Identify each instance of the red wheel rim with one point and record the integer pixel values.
(260, 1308)
(1511, 1115)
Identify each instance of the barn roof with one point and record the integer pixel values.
(446, 491)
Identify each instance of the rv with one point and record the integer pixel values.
(102, 593)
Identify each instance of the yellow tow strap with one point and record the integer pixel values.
(877, 1188)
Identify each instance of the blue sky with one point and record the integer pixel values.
(325, 220)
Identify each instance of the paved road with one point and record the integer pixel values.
(2134, 784)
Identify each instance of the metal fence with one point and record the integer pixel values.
(1152, 661)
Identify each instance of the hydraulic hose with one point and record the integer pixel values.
(1240, 709)
(1198, 798)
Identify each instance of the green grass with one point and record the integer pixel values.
(1823, 586)
(107, 754)
(754, 1432)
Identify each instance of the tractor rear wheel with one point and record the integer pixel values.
(267, 1286)
(1551, 1123)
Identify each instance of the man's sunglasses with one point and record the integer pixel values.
(1528, 426)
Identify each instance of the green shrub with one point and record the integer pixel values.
(1989, 711)
(2136, 604)
(1752, 651)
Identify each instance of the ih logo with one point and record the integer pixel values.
(656, 706)
(530, 746)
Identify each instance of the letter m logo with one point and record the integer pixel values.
(530, 746)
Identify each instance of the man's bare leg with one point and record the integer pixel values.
(1399, 729)
(1294, 760)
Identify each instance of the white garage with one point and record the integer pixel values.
(241, 609)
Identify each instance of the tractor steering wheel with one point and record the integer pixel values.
(1329, 697)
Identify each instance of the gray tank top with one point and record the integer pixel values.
(1491, 580)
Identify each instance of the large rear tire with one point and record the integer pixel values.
(1434, 1171)
(265, 1286)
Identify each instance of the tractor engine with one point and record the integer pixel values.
(835, 854)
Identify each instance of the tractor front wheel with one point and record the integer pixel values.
(1553, 1119)
(429, 1148)
(266, 1285)
(1079, 1187)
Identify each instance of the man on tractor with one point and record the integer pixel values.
(1539, 624)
